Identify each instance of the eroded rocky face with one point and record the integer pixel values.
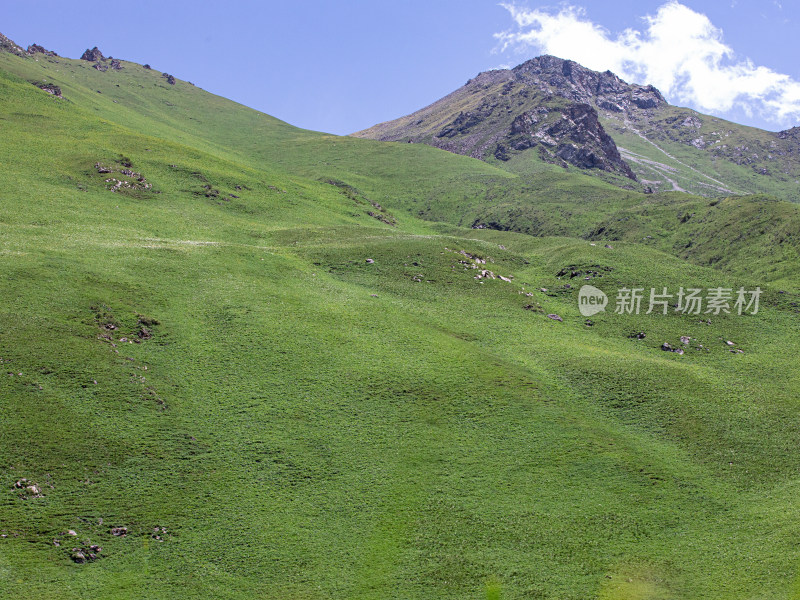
(570, 80)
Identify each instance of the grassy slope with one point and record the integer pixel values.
(731, 158)
(540, 199)
(299, 437)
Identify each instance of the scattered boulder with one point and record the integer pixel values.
(667, 348)
(50, 88)
(137, 181)
(85, 553)
(116, 185)
(146, 67)
(100, 67)
(115, 64)
(93, 55)
(685, 339)
(639, 336)
(370, 261)
(119, 531)
(28, 489)
(555, 318)
(170, 79)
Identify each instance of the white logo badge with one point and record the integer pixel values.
(591, 301)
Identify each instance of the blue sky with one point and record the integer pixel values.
(343, 66)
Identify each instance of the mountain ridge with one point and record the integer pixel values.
(667, 148)
(564, 132)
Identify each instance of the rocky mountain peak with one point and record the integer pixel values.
(547, 105)
(575, 82)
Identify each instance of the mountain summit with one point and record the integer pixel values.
(556, 111)
(577, 83)
(546, 103)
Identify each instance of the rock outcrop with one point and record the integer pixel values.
(7, 45)
(575, 136)
(93, 55)
(50, 88)
(37, 49)
(570, 80)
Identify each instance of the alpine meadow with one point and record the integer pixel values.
(246, 360)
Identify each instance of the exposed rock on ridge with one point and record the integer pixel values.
(574, 82)
(7, 45)
(37, 49)
(93, 55)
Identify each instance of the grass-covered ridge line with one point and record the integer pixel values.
(310, 402)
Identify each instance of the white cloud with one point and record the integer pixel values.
(678, 50)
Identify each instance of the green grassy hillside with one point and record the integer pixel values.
(254, 371)
(536, 197)
(677, 149)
